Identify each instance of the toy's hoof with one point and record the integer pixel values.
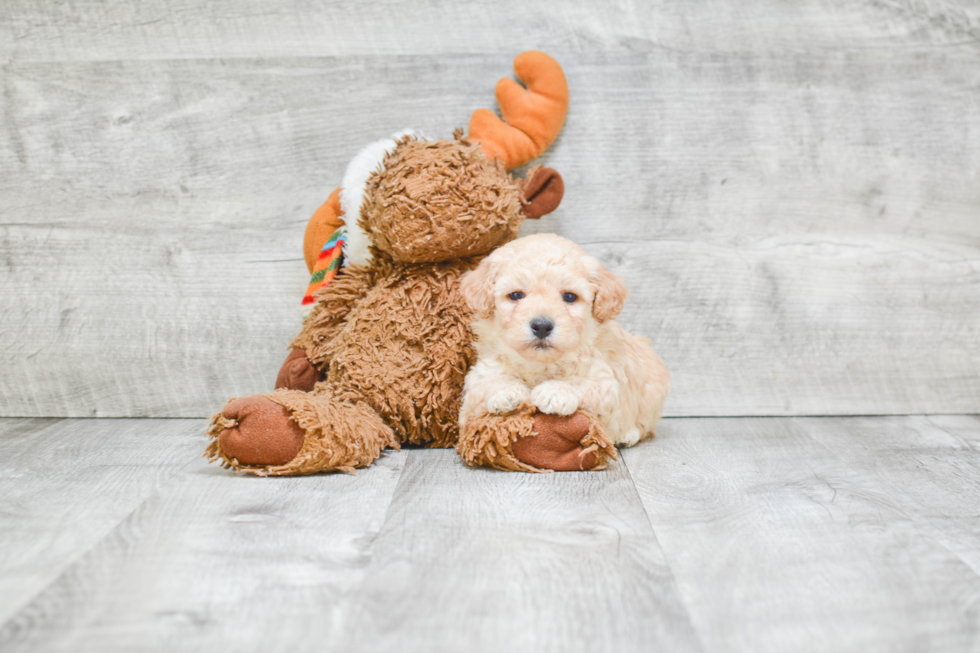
(556, 444)
(265, 434)
(297, 372)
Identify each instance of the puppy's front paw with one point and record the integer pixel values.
(507, 399)
(555, 398)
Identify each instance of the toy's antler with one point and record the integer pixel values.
(532, 117)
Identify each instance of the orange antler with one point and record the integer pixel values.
(532, 117)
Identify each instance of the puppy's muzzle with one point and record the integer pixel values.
(542, 328)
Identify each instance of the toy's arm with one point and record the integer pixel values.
(334, 302)
(304, 365)
(311, 352)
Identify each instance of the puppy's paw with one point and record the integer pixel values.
(507, 400)
(629, 438)
(555, 398)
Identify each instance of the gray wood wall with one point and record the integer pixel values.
(792, 189)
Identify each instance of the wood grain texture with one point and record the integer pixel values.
(791, 191)
(480, 560)
(926, 467)
(416, 553)
(774, 534)
(215, 561)
(66, 484)
(170, 29)
(841, 541)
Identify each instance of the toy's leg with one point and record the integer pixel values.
(290, 432)
(528, 441)
(565, 443)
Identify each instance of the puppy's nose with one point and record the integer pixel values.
(542, 327)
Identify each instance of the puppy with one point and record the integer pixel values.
(545, 335)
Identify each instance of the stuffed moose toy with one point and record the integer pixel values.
(382, 355)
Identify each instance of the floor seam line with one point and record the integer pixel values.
(670, 567)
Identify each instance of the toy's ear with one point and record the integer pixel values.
(543, 192)
(610, 294)
(477, 288)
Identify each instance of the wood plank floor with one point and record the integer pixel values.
(724, 534)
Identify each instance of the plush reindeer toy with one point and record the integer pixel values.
(381, 357)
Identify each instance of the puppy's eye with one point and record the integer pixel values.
(517, 294)
(569, 297)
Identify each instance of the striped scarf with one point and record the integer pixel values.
(327, 264)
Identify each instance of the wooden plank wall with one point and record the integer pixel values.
(791, 189)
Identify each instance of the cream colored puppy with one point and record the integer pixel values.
(545, 334)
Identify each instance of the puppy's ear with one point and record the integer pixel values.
(477, 288)
(610, 294)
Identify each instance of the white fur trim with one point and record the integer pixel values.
(352, 193)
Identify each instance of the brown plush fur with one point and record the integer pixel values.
(340, 435)
(404, 348)
(392, 337)
(439, 200)
(490, 440)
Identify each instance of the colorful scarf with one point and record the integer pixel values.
(327, 264)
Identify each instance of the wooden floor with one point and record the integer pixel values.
(742, 534)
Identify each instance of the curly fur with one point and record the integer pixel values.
(392, 336)
(488, 440)
(342, 434)
(587, 361)
(438, 200)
